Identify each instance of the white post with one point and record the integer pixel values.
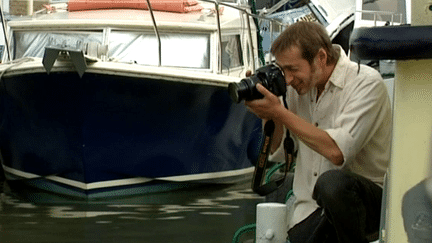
(271, 223)
(412, 128)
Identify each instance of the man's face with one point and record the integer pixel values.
(297, 71)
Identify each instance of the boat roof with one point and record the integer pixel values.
(204, 20)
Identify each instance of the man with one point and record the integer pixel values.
(340, 113)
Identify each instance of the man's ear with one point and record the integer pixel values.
(322, 57)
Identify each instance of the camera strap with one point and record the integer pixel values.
(261, 165)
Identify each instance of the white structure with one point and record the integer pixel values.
(271, 224)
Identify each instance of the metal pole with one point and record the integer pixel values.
(4, 33)
(271, 40)
(220, 37)
(250, 41)
(157, 33)
(29, 6)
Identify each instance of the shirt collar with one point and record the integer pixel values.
(337, 78)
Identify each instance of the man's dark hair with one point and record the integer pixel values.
(309, 37)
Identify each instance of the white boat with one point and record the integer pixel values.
(122, 100)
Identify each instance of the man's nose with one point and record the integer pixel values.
(288, 78)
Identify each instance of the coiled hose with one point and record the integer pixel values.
(252, 227)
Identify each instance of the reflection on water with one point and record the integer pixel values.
(207, 214)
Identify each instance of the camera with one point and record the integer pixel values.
(270, 76)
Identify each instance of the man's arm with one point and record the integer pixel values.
(277, 136)
(270, 108)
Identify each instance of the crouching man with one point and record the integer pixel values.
(339, 112)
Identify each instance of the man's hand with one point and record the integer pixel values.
(267, 108)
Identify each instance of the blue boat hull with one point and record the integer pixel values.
(104, 128)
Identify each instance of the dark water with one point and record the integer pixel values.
(207, 214)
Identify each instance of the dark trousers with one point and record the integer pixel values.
(349, 211)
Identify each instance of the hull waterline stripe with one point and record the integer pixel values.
(212, 175)
(130, 181)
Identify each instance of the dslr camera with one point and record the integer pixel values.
(270, 76)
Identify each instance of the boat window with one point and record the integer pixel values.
(177, 49)
(32, 44)
(231, 52)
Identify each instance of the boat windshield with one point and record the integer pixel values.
(188, 50)
(178, 49)
(33, 43)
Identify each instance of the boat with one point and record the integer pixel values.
(107, 100)
(335, 15)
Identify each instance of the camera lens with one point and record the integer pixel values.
(235, 90)
(244, 90)
(270, 76)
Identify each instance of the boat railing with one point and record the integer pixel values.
(156, 32)
(216, 3)
(258, 17)
(246, 12)
(391, 18)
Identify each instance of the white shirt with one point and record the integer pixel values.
(354, 109)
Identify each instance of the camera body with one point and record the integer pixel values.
(270, 76)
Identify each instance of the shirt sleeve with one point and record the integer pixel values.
(361, 114)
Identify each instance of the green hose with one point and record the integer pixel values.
(272, 171)
(243, 230)
(289, 194)
(252, 227)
